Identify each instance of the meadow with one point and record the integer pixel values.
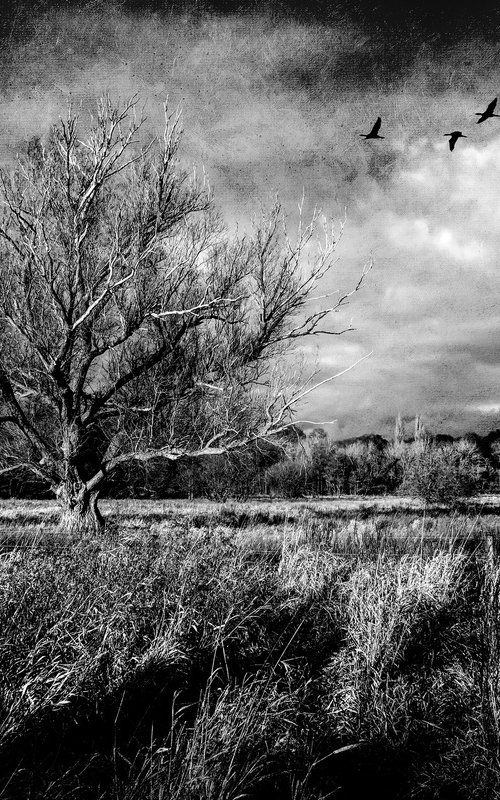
(292, 650)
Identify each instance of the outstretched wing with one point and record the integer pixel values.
(376, 127)
(491, 107)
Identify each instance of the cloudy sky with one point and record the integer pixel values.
(274, 100)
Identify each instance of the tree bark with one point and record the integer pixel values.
(80, 513)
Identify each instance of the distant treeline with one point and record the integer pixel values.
(434, 467)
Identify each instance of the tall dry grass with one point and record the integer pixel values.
(203, 661)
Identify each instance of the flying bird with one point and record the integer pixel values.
(488, 113)
(374, 131)
(454, 137)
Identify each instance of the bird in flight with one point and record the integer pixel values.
(374, 131)
(488, 113)
(454, 137)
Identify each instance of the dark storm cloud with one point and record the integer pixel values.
(441, 19)
(364, 44)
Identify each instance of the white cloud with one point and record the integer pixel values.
(419, 233)
(401, 297)
(486, 408)
(482, 158)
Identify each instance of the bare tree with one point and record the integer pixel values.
(133, 327)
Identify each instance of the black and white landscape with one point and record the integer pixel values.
(249, 411)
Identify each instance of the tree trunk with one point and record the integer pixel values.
(80, 514)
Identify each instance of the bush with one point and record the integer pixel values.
(444, 473)
(286, 479)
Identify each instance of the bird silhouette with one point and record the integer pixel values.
(488, 113)
(374, 131)
(454, 137)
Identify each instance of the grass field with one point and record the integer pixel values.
(297, 651)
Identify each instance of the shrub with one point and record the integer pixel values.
(286, 479)
(444, 473)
